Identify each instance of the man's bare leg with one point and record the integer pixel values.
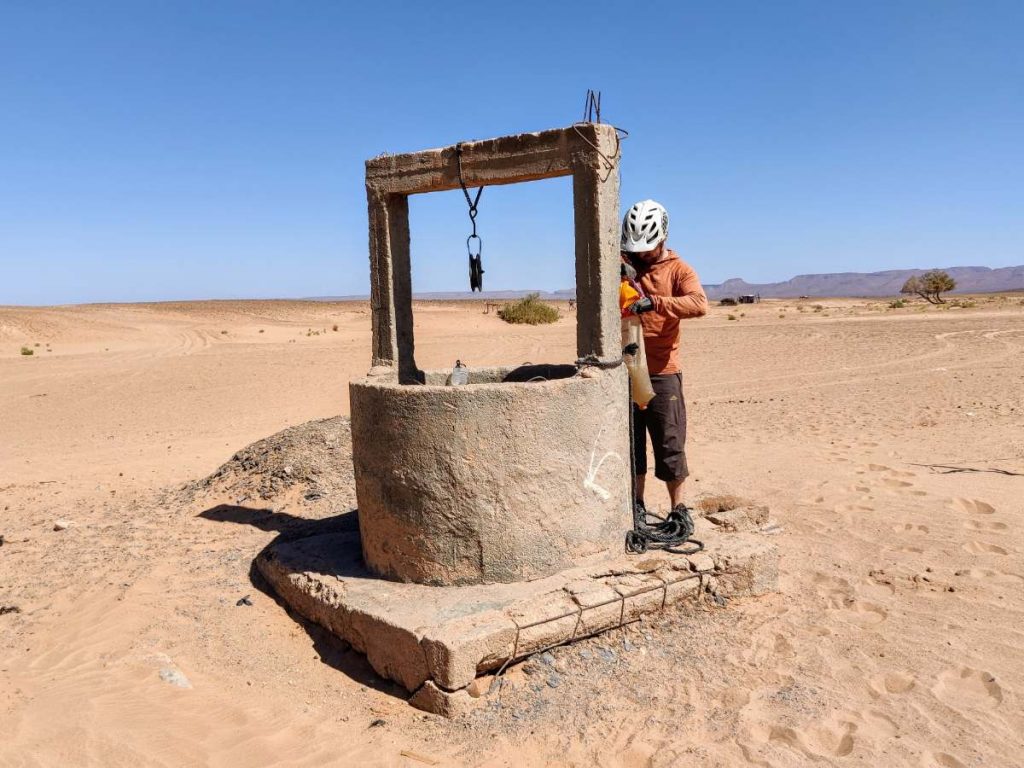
(675, 492)
(641, 481)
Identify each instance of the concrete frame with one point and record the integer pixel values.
(587, 151)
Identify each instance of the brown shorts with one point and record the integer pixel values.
(665, 419)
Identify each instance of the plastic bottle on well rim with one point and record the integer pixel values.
(460, 374)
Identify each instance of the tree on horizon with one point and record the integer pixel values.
(930, 286)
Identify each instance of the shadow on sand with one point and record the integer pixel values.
(332, 650)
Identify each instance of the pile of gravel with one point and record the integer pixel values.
(310, 463)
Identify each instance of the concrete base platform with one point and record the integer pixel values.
(434, 641)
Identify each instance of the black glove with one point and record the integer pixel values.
(639, 307)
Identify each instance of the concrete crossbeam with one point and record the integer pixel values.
(506, 160)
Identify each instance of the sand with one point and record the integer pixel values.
(896, 639)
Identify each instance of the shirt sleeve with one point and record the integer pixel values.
(688, 298)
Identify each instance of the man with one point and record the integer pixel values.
(672, 292)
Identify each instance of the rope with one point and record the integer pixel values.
(592, 361)
(651, 531)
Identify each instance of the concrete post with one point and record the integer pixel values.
(391, 284)
(595, 186)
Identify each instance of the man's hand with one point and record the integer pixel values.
(639, 307)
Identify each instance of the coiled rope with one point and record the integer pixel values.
(651, 531)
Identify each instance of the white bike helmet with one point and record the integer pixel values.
(644, 226)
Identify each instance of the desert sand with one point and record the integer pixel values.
(896, 638)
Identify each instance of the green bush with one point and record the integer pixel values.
(27, 351)
(731, 317)
(898, 304)
(530, 310)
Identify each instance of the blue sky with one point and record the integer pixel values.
(163, 150)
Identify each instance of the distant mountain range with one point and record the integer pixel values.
(888, 283)
(968, 280)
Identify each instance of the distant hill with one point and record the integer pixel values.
(968, 280)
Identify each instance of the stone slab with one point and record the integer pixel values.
(434, 641)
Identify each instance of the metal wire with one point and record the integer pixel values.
(578, 613)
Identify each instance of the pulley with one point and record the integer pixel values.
(474, 245)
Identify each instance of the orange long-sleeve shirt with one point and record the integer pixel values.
(675, 289)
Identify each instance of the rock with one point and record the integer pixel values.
(747, 565)
(430, 698)
(702, 562)
(175, 678)
(740, 518)
(607, 654)
(554, 681)
(627, 645)
(62, 525)
(244, 601)
(586, 654)
(480, 686)
(547, 659)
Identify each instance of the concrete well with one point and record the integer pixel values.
(524, 471)
(519, 474)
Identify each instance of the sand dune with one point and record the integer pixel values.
(896, 639)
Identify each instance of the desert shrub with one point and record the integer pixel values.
(819, 307)
(965, 303)
(897, 304)
(224, 332)
(530, 310)
(261, 330)
(27, 351)
(731, 317)
(334, 328)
